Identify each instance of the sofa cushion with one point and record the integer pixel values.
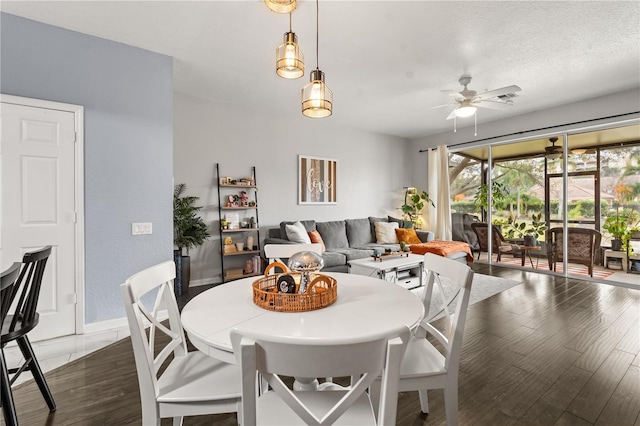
(407, 236)
(373, 221)
(309, 225)
(359, 232)
(385, 232)
(407, 224)
(334, 234)
(315, 237)
(297, 233)
(333, 258)
(353, 254)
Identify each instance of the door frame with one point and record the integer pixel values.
(78, 112)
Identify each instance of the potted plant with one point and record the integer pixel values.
(535, 229)
(481, 201)
(413, 205)
(189, 231)
(616, 227)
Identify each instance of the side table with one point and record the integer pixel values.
(613, 254)
(526, 250)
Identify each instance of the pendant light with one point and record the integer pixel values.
(281, 6)
(289, 57)
(317, 98)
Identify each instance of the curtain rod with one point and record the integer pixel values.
(538, 129)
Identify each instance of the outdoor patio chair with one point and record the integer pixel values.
(499, 244)
(583, 245)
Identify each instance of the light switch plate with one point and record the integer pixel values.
(141, 228)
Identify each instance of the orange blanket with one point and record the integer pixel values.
(442, 248)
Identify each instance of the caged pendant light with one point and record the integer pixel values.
(289, 57)
(281, 6)
(317, 98)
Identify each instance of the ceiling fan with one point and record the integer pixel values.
(552, 152)
(467, 100)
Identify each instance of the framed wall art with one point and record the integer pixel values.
(317, 180)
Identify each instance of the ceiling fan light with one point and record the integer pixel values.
(317, 98)
(553, 155)
(465, 110)
(289, 58)
(281, 6)
(578, 151)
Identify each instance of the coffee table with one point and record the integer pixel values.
(406, 271)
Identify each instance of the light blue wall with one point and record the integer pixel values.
(127, 94)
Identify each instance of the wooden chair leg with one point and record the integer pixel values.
(8, 406)
(34, 367)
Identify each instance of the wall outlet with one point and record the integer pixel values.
(141, 228)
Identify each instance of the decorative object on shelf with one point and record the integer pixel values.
(252, 222)
(321, 291)
(317, 180)
(305, 262)
(248, 266)
(240, 246)
(317, 98)
(189, 231)
(281, 6)
(249, 242)
(289, 57)
(414, 203)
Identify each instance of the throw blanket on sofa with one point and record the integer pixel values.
(442, 248)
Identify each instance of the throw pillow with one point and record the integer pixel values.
(401, 222)
(315, 237)
(408, 236)
(297, 233)
(385, 232)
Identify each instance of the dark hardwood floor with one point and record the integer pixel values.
(553, 351)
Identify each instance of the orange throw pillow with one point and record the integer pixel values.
(315, 237)
(408, 236)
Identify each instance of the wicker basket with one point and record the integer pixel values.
(322, 291)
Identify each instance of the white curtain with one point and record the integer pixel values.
(439, 218)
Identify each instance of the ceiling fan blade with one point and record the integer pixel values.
(498, 92)
(454, 94)
(440, 106)
(453, 114)
(501, 106)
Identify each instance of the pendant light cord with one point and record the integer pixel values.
(290, 27)
(317, 31)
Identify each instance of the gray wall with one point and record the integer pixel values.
(372, 168)
(127, 94)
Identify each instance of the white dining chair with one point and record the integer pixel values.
(273, 358)
(192, 383)
(424, 366)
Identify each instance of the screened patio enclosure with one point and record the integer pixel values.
(577, 179)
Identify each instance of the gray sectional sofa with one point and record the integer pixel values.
(344, 240)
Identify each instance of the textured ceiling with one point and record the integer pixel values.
(386, 61)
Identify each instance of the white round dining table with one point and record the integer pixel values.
(364, 307)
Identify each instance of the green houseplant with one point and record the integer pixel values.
(481, 197)
(414, 202)
(189, 231)
(616, 227)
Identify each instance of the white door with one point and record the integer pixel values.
(38, 206)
